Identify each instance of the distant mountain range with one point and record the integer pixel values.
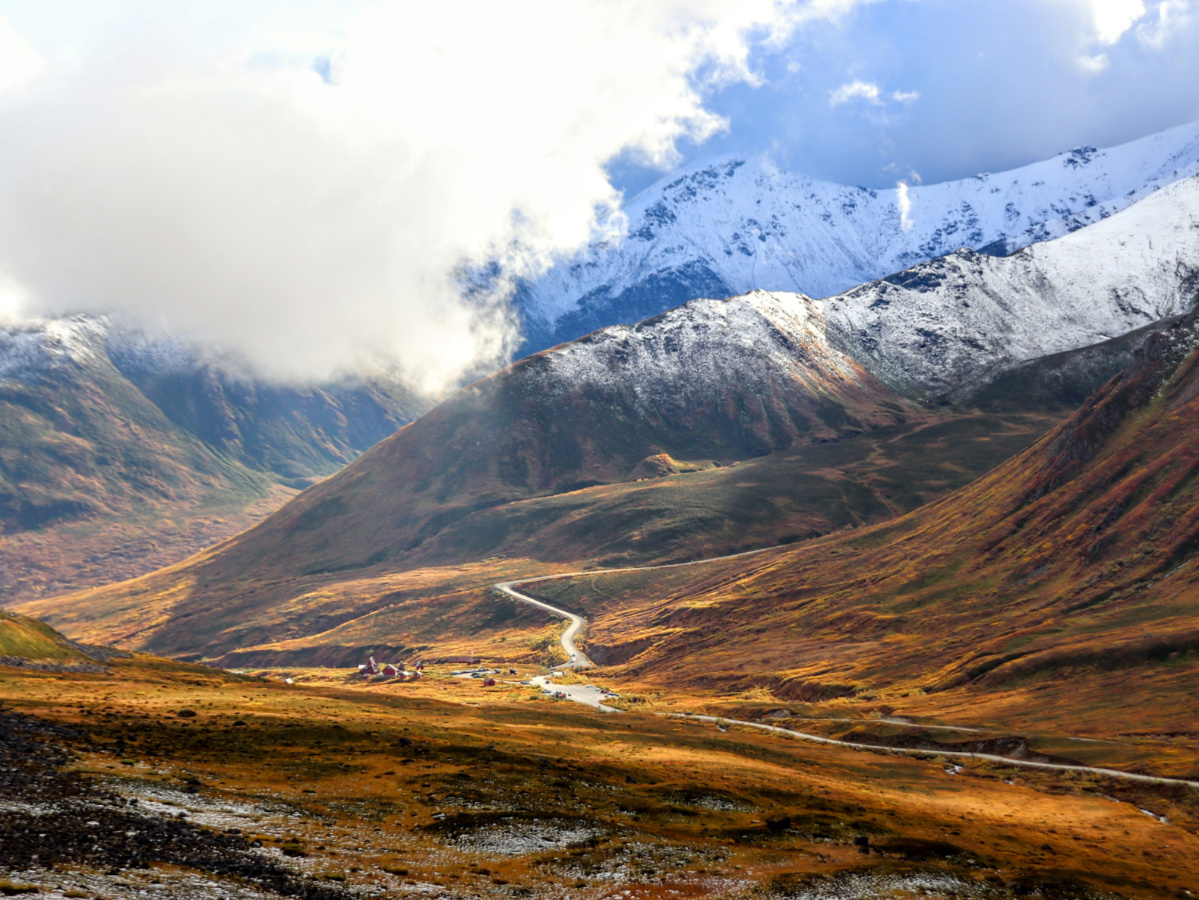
(696, 389)
(102, 424)
(547, 457)
(734, 225)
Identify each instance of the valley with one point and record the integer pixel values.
(436, 597)
(884, 593)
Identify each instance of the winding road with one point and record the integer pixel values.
(576, 659)
(593, 697)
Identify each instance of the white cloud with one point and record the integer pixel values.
(1112, 18)
(856, 90)
(19, 64)
(1172, 16)
(13, 298)
(870, 93)
(1093, 64)
(202, 180)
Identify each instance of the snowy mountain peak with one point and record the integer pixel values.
(945, 324)
(35, 346)
(730, 225)
(696, 351)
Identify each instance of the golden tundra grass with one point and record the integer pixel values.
(676, 806)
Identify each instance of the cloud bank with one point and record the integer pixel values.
(312, 200)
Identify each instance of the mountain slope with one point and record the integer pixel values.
(114, 449)
(944, 325)
(713, 382)
(1068, 569)
(26, 642)
(77, 440)
(297, 432)
(525, 451)
(702, 386)
(736, 225)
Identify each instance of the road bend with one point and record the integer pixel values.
(576, 659)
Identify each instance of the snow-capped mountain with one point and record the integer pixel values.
(944, 325)
(33, 348)
(195, 400)
(727, 227)
(769, 345)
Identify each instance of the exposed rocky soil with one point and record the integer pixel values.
(53, 818)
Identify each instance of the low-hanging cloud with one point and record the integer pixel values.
(312, 209)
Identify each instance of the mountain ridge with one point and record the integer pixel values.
(1077, 555)
(727, 227)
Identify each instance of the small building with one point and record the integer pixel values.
(488, 682)
(390, 671)
(368, 669)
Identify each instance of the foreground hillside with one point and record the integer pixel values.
(1062, 585)
(150, 777)
(119, 454)
(737, 225)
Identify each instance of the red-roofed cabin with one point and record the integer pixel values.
(488, 682)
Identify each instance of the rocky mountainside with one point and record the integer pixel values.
(704, 385)
(734, 225)
(298, 433)
(698, 388)
(94, 407)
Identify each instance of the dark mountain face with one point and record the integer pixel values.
(297, 433)
(96, 421)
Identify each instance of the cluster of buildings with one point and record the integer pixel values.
(372, 669)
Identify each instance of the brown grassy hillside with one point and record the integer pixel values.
(333, 790)
(216, 603)
(1063, 582)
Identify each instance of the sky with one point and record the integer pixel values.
(311, 183)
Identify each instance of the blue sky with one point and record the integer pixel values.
(1000, 83)
(304, 181)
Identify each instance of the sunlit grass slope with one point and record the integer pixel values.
(216, 603)
(1064, 581)
(492, 792)
(22, 638)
